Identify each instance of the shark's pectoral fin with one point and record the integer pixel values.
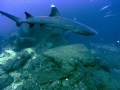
(67, 33)
(54, 11)
(42, 24)
(28, 15)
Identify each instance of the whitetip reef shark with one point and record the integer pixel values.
(53, 20)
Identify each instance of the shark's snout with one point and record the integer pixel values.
(94, 33)
(86, 32)
(91, 31)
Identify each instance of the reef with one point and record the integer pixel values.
(44, 60)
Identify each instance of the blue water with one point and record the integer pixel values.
(84, 11)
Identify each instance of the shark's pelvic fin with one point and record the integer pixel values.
(16, 19)
(28, 15)
(31, 25)
(54, 11)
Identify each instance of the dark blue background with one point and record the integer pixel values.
(85, 11)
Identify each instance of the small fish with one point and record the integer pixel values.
(115, 15)
(108, 15)
(108, 12)
(104, 7)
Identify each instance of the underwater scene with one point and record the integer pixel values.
(60, 45)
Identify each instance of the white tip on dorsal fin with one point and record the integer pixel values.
(54, 11)
(52, 5)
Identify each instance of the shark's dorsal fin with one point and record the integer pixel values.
(54, 11)
(28, 15)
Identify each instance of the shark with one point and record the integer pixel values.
(54, 20)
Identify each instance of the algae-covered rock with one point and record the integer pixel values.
(68, 67)
(7, 54)
(52, 74)
(1, 70)
(86, 74)
(108, 57)
(14, 64)
(69, 51)
(24, 42)
(5, 80)
(70, 55)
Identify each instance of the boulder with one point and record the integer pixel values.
(84, 71)
(5, 80)
(69, 56)
(16, 63)
(68, 67)
(52, 74)
(24, 42)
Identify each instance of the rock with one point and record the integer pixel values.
(69, 67)
(24, 42)
(14, 64)
(107, 56)
(61, 64)
(55, 85)
(24, 55)
(5, 80)
(26, 31)
(1, 70)
(69, 56)
(100, 80)
(29, 85)
(85, 73)
(52, 74)
(20, 87)
(6, 55)
(13, 36)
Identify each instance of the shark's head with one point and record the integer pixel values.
(84, 30)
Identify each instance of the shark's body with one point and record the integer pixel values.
(54, 20)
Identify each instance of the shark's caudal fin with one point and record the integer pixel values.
(54, 11)
(16, 19)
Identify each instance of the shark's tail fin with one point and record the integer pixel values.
(16, 19)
